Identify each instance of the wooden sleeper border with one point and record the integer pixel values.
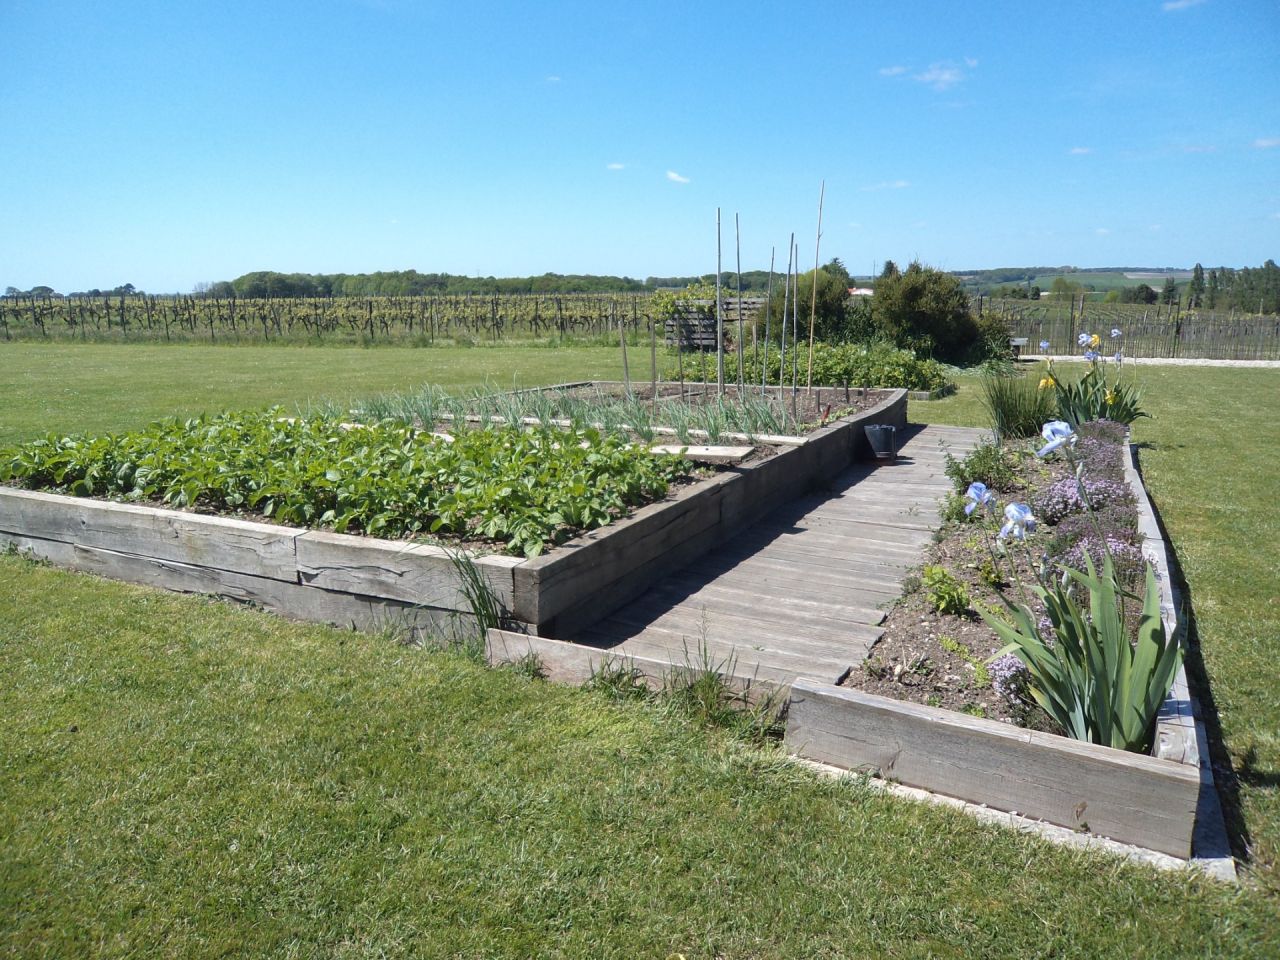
(367, 582)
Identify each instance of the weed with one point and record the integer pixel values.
(944, 592)
(981, 675)
(619, 681)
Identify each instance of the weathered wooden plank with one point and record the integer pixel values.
(780, 601)
(1128, 797)
(847, 580)
(576, 664)
(581, 569)
(704, 454)
(223, 543)
(792, 618)
(745, 631)
(411, 572)
(777, 666)
(288, 599)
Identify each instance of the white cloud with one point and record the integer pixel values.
(1171, 5)
(615, 166)
(970, 62)
(1199, 148)
(553, 79)
(894, 71)
(888, 185)
(676, 178)
(941, 76)
(1266, 143)
(1080, 151)
(1102, 232)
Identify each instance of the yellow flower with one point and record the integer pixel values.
(1111, 397)
(1095, 341)
(1047, 382)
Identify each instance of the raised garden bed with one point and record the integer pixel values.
(369, 582)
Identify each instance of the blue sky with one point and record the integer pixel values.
(170, 143)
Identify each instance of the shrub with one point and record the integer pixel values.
(987, 463)
(925, 309)
(844, 364)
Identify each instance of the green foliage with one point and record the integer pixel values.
(1018, 405)
(981, 675)
(830, 311)
(846, 364)
(1095, 397)
(523, 488)
(924, 309)
(987, 463)
(1089, 677)
(944, 592)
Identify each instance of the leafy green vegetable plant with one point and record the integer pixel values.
(525, 488)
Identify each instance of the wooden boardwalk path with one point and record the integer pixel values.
(802, 592)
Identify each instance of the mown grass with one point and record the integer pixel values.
(69, 387)
(1206, 456)
(183, 778)
(180, 777)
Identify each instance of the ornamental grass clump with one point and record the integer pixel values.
(1099, 680)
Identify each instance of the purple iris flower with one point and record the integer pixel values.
(1058, 433)
(978, 496)
(1018, 522)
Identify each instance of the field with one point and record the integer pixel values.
(186, 778)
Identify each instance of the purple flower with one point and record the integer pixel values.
(1018, 522)
(978, 496)
(1044, 346)
(1084, 339)
(1009, 676)
(1091, 355)
(1115, 332)
(1058, 433)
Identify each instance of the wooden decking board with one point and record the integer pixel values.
(775, 602)
(743, 624)
(803, 591)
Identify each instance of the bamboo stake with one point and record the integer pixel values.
(813, 300)
(626, 370)
(786, 303)
(737, 236)
(719, 317)
(768, 310)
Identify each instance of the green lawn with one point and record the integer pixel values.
(1206, 457)
(97, 387)
(183, 777)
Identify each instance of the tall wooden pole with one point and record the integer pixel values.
(786, 304)
(719, 316)
(737, 238)
(813, 300)
(768, 311)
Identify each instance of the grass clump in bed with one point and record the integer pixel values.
(523, 488)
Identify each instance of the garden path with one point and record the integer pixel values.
(803, 591)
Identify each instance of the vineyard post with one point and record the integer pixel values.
(622, 333)
(653, 360)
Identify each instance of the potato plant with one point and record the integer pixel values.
(526, 489)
